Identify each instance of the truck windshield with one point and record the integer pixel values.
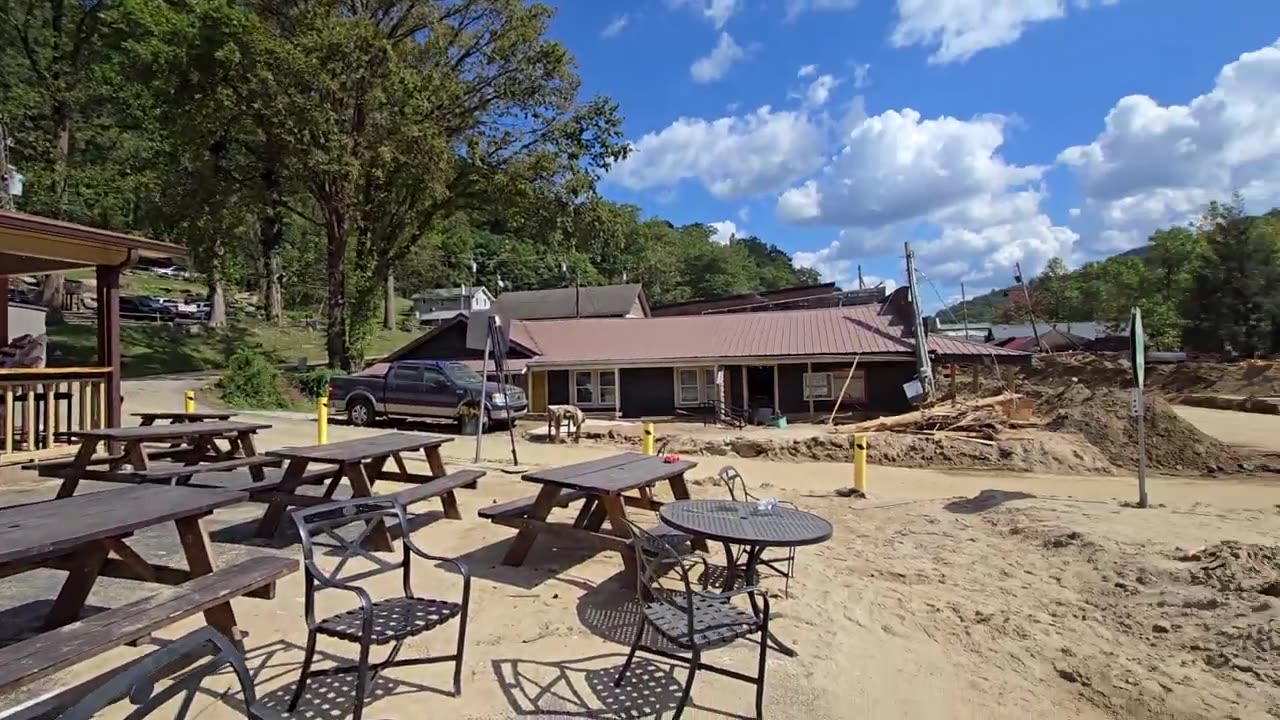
(462, 373)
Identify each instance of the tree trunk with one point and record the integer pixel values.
(51, 285)
(389, 304)
(51, 294)
(336, 283)
(217, 291)
(271, 235)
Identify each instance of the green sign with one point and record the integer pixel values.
(1137, 347)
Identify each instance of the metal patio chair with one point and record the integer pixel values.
(692, 620)
(138, 682)
(375, 622)
(783, 565)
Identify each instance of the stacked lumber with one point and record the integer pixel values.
(986, 416)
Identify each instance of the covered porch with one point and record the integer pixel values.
(43, 406)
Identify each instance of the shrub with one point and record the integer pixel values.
(252, 380)
(314, 383)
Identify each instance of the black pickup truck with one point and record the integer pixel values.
(441, 389)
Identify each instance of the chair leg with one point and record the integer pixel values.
(306, 671)
(791, 570)
(631, 655)
(688, 684)
(457, 665)
(362, 679)
(764, 651)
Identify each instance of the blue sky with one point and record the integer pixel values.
(987, 132)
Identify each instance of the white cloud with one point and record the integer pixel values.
(1155, 165)
(861, 75)
(616, 26)
(744, 213)
(735, 156)
(716, 64)
(820, 90)
(725, 230)
(807, 71)
(962, 28)
(842, 271)
(1074, 212)
(717, 12)
(896, 166)
(795, 8)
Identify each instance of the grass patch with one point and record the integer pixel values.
(160, 348)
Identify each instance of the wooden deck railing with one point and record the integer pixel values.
(41, 407)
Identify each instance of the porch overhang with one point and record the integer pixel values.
(30, 244)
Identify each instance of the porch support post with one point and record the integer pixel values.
(4, 310)
(109, 337)
(808, 372)
(777, 407)
(746, 396)
(617, 394)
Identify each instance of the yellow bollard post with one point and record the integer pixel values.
(648, 438)
(322, 420)
(189, 401)
(860, 463)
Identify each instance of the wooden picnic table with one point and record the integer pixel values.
(80, 534)
(362, 462)
(602, 486)
(151, 418)
(199, 438)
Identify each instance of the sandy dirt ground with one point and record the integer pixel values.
(1251, 430)
(946, 595)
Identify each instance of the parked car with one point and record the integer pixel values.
(183, 308)
(446, 390)
(146, 306)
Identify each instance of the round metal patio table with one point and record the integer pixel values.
(743, 523)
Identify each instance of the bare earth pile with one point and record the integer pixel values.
(1111, 370)
(1173, 444)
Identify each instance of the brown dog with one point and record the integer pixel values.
(559, 414)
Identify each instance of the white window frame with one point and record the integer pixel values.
(597, 389)
(830, 394)
(706, 384)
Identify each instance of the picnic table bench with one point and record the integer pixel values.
(362, 462)
(603, 487)
(80, 534)
(198, 445)
(150, 418)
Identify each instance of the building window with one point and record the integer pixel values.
(818, 386)
(584, 388)
(605, 380)
(594, 388)
(695, 386)
(855, 389)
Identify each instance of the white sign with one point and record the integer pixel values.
(913, 389)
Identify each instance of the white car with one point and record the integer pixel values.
(180, 307)
(174, 271)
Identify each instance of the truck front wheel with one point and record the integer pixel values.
(360, 412)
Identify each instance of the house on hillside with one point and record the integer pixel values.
(795, 361)
(432, 307)
(618, 301)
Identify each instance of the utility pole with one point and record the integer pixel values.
(923, 367)
(964, 311)
(1026, 295)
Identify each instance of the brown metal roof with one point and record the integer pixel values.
(844, 331)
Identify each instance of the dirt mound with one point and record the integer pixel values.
(1238, 567)
(1049, 373)
(1102, 417)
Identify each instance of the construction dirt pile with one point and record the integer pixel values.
(1101, 416)
(1111, 370)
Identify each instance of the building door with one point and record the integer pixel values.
(538, 391)
(760, 387)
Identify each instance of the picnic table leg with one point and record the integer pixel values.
(523, 543)
(435, 461)
(597, 517)
(373, 469)
(379, 538)
(680, 491)
(585, 514)
(147, 421)
(75, 589)
(199, 551)
(617, 513)
(88, 447)
(135, 455)
(293, 475)
(245, 441)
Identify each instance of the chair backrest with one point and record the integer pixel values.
(138, 682)
(655, 558)
(327, 552)
(733, 481)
